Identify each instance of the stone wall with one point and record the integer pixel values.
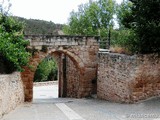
(73, 81)
(11, 92)
(27, 75)
(85, 77)
(123, 78)
(73, 77)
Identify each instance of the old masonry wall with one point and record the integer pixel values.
(11, 92)
(129, 79)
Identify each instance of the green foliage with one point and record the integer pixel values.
(91, 19)
(145, 22)
(36, 27)
(124, 38)
(123, 13)
(120, 37)
(46, 71)
(12, 43)
(32, 50)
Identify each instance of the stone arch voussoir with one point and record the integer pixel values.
(75, 58)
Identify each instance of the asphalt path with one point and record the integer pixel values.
(47, 106)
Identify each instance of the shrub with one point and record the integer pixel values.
(46, 70)
(12, 43)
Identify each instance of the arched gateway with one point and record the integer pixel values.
(77, 63)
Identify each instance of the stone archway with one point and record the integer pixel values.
(73, 78)
(77, 61)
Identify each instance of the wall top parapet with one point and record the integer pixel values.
(60, 40)
(62, 36)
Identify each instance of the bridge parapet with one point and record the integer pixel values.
(61, 40)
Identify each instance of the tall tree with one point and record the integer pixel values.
(145, 21)
(123, 13)
(91, 18)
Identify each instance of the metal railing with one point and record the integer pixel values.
(104, 43)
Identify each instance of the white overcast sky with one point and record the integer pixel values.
(57, 11)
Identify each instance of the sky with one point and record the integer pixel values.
(57, 11)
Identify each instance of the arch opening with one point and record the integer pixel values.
(68, 79)
(45, 79)
(69, 74)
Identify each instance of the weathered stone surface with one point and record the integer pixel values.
(73, 79)
(28, 74)
(76, 80)
(11, 92)
(123, 78)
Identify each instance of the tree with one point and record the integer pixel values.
(12, 43)
(123, 13)
(93, 18)
(123, 37)
(146, 25)
(5, 7)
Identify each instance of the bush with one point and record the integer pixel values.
(120, 37)
(123, 39)
(46, 71)
(12, 43)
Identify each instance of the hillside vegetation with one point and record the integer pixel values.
(34, 26)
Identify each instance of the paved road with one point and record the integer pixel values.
(46, 106)
(45, 92)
